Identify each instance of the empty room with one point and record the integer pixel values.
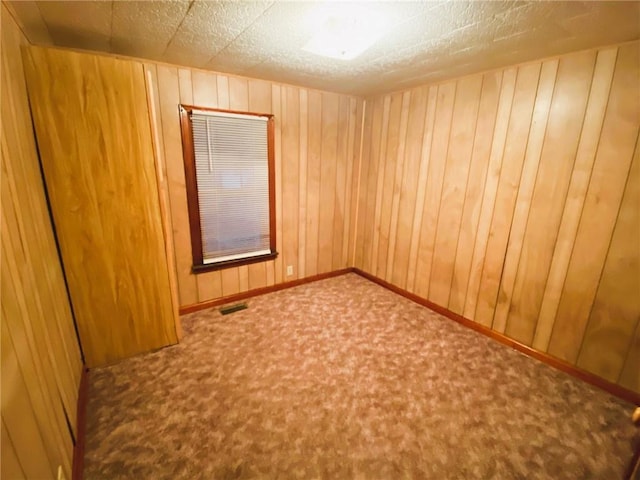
(320, 240)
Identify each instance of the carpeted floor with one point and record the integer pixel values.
(342, 379)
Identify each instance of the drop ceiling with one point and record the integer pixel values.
(426, 41)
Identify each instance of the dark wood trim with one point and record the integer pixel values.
(81, 422)
(261, 291)
(209, 267)
(189, 108)
(612, 388)
(271, 158)
(191, 184)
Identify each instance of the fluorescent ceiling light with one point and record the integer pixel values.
(346, 32)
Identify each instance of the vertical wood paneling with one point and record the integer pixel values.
(316, 149)
(276, 109)
(481, 151)
(330, 112)
(397, 184)
(614, 316)
(41, 362)
(356, 170)
(314, 138)
(608, 177)
(351, 182)
(490, 190)
(463, 126)
(151, 76)
(506, 195)
(259, 102)
(9, 463)
(37, 453)
(302, 183)
(511, 208)
(290, 178)
(378, 142)
(363, 205)
(556, 161)
(416, 226)
(340, 194)
(409, 185)
(170, 129)
(591, 128)
(530, 171)
(435, 176)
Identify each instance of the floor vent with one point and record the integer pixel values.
(233, 308)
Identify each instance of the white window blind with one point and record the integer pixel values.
(232, 174)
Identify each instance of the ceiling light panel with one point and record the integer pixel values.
(344, 31)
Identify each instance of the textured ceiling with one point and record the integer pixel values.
(426, 41)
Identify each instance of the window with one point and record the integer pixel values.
(229, 173)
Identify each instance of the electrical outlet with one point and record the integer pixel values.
(289, 270)
(61, 473)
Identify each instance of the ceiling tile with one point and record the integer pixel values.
(426, 41)
(211, 26)
(144, 29)
(79, 24)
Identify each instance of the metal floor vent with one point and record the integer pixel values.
(233, 308)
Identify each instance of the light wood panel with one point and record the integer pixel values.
(602, 202)
(473, 201)
(92, 122)
(458, 163)
(41, 360)
(515, 203)
(545, 205)
(317, 137)
(508, 187)
(613, 318)
(433, 192)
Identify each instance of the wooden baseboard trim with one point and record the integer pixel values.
(612, 388)
(81, 422)
(261, 291)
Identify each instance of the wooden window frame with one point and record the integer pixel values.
(191, 183)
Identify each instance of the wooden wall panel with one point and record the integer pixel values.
(435, 178)
(378, 144)
(41, 361)
(530, 172)
(598, 99)
(614, 315)
(515, 208)
(506, 196)
(487, 111)
(490, 190)
(406, 204)
(101, 179)
(456, 175)
(316, 140)
(601, 206)
(545, 205)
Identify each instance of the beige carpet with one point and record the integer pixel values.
(343, 379)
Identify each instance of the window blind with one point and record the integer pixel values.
(232, 174)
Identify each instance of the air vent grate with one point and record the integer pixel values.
(226, 310)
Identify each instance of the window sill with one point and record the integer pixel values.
(210, 267)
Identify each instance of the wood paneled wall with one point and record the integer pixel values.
(41, 362)
(317, 140)
(511, 197)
